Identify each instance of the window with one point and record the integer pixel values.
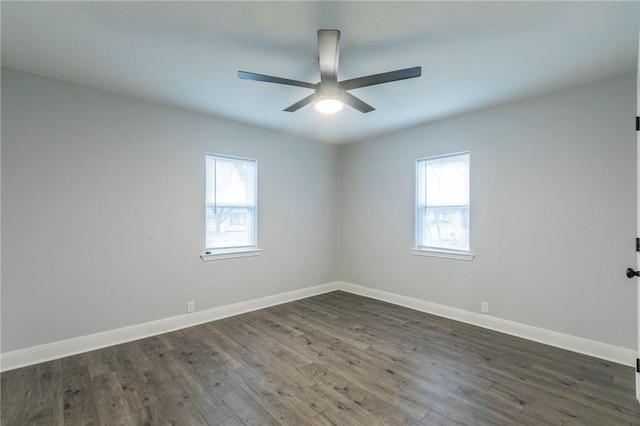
(442, 203)
(230, 206)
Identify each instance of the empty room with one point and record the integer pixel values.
(319, 213)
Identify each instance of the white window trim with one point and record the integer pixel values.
(236, 252)
(231, 254)
(436, 251)
(456, 255)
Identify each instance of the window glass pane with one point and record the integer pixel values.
(443, 202)
(448, 181)
(230, 215)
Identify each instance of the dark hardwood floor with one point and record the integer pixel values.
(334, 359)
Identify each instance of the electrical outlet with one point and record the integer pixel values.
(484, 307)
(191, 306)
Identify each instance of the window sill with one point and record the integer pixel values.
(443, 254)
(231, 254)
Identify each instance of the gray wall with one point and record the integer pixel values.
(553, 204)
(103, 210)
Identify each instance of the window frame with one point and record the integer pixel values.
(233, 251)
(420, 188)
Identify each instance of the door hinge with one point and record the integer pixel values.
(637, 244)
(637, 123)
(637, 365)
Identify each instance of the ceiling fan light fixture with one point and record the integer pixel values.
(330, 95)
(329, 106)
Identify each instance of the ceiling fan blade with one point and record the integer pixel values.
(328, 54)
(384, 77)
(270, 79)
(356, 103)
(300, 103)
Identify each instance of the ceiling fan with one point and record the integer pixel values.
(330, 94)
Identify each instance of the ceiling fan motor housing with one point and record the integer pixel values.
(329, 90)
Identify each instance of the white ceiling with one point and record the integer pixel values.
(473, 55)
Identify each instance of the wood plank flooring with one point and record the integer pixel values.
(333, 359)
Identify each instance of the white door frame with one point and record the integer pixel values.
(637, 281)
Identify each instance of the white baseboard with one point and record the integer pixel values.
(64, 348)
(564, 341)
